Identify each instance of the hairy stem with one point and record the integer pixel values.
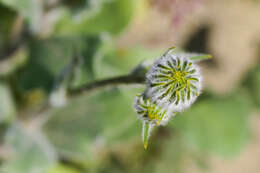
(127, 79)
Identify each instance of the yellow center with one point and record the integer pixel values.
(152, 115)
(179, 76)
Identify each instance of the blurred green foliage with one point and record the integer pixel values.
(31, 152)
(106, 16)
(216, 125)
(98, 131)
(7, 105)
(252, 83)
(6, 22)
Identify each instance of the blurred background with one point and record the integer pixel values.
(47, 46)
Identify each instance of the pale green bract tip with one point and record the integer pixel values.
(201, 57)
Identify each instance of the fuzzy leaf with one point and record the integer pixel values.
(110, 16)
(7, 105)
(216, 125)
(99, 119)
(31, 152)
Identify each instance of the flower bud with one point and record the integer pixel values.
(148, 111)
(174, 82)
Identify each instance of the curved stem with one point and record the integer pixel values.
(127, 79)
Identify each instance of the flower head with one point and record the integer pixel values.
(151, 115)
(174, 81)
(149, 111)
(173, 84)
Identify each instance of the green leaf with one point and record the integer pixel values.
(32, 10)
(171, 155)
(110, 16)
(46, 61)
(30, 152)
(7, 19)
(14, 62)
(7, 105)
(87, 48)
(120, 60)
(22, 6)
(98, 120)
(61, 168)
(252, 83)
(216, 125)
(51, 58)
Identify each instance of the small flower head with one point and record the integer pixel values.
(151, 115)
(174, 81)
(148, 111)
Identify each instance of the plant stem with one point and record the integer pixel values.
(127, 79)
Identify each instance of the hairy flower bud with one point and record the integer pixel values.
(174, 82)
(149, 111)
(151, 115)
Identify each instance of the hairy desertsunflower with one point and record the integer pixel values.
(174, 82)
